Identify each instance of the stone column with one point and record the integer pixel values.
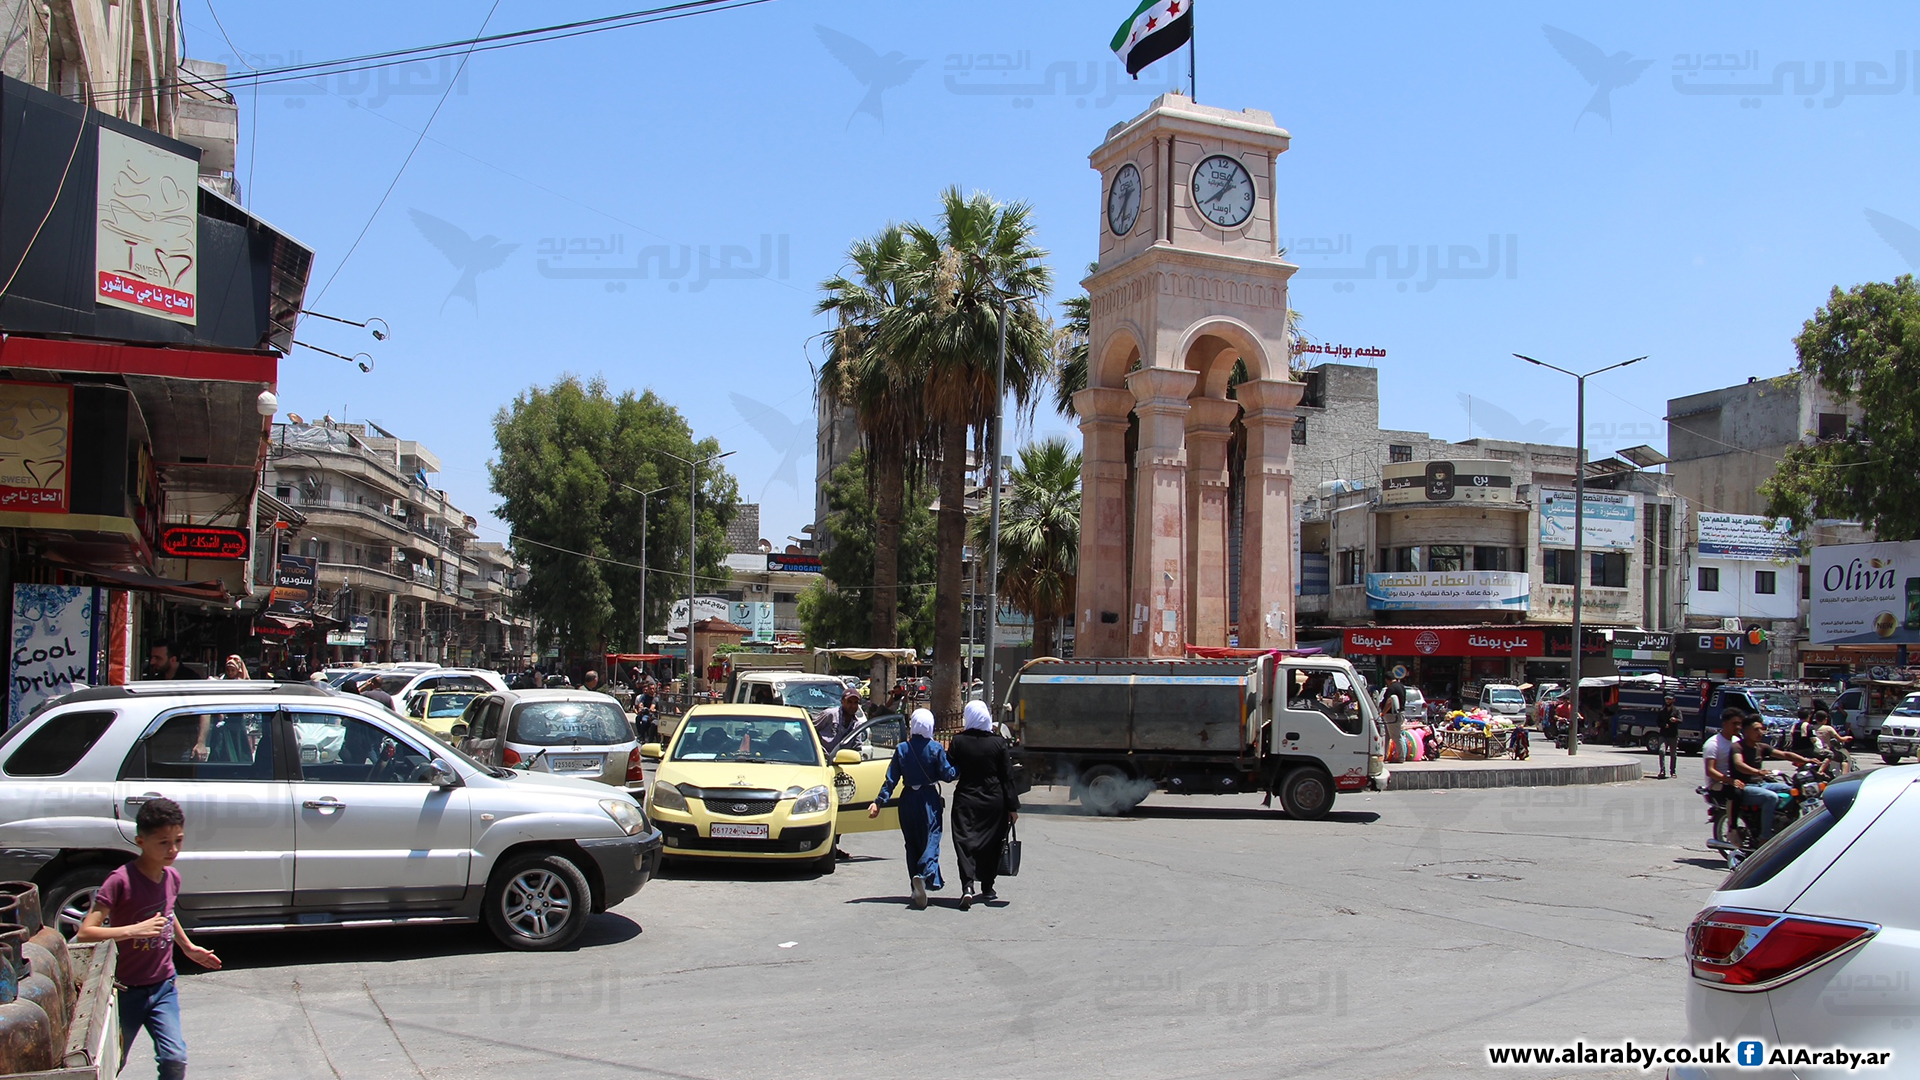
(1157, 617)
(1209, 426)
(1102, 586)
(1266, 540)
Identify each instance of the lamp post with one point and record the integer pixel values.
(993, 500)
(693, 549)
(1579, 526)
(644, 496)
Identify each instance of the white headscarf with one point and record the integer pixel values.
(977, 716)
(922, 723)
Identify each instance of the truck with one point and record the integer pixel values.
(1634, 702)
(1116, 730)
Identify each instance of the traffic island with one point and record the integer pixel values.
(1548, 766)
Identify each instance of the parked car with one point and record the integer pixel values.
(309, 809)
(1810, 941)
(1503, 699)
(569, 732)
(475, 679)
(1900, 731)
(753, 782)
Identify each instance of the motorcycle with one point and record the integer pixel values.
(1736, 828)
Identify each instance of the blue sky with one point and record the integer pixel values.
(1699, 228)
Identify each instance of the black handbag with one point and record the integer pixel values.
(1010, 854)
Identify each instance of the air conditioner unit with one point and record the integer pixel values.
(1730, 626)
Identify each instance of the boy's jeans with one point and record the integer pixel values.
(157, 1008)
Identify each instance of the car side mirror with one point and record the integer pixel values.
(652, 751)
(847, 757)
(459, 731)
(441, 774)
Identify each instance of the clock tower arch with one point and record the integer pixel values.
(1177, 463)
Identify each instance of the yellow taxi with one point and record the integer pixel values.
(753, 782)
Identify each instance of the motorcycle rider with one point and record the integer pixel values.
(1754, 783)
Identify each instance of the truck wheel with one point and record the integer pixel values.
(1108, 791)
(538, 901)
(1306, 794)
(1891, 757)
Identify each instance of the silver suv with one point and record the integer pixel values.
(308, 808)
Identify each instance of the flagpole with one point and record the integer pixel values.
(1193, 91)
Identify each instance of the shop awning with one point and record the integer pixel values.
(210, 592)
(636, 658)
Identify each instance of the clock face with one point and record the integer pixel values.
(1123, 200)
(1222, 191)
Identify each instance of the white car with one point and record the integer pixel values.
(1503, 699)
(477, 679)
(1813, 939)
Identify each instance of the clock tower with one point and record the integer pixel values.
(1187, 516)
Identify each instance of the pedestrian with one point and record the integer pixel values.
(1833, 742)
(163, 662)
(920, 765)
(235, 668)
(835, 724)
(1393, 701)
(591, 680)
(135, 908)
(1667, 752)
(985, 804)
(370, 688)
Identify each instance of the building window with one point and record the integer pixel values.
(1315, 394)
(1353, 567)
(1492, 558)
(1403, 560)
(1300, 431)
(1609, 569)
(1399, 452)
(1763, 582)
(786, 598)
(1806, 583)
(1557, 567)
(1446, 558)
(1709, 579)
(1833, 425)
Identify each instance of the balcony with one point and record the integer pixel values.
(352, 517)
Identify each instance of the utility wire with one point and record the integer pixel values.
(253, 136)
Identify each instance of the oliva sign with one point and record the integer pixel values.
(1865, 594)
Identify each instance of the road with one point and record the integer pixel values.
(1201, 937)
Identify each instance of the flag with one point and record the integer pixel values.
(1156, 28)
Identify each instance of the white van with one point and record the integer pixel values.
(814, 693)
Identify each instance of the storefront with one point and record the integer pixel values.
(1717, 656)
(1639, 652)
(1552, 665)
(1837, 663)
(1441, 660)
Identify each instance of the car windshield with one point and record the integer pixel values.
(746, 738)
(812, 696)
(1909, 706)
(393, 684)
(1775, 701)
(1506, 697)
(449, 704)
(335, 678)
(455, 682)
(569, 723)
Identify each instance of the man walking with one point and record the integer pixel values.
(1393, 701)
(833, 725)
(1666, 752)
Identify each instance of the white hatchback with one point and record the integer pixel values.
(1813, 940)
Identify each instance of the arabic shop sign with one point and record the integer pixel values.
(1468, 590)
(1344, 352)
(793, 564)
(1866, 594)
(1419, 482)
(294, 580)
(1443, 641)
(147, 229)
(704, 608)
(204, 542)
(1611, 520)
(1746, 536)
(36, 447)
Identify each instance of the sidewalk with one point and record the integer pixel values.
(1548, 767)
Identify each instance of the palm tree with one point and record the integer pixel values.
(884, 393)
(954, 278)
(1039, 537)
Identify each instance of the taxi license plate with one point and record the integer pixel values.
(576, 764)
(723, 831)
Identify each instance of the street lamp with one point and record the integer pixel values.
(1579, 525)
(693, 549)
(644, 496)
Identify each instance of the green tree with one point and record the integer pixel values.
(1864, 346)
(837, 610)
(1039, 538)
(882, 388)
(954, 276)
(569, 462)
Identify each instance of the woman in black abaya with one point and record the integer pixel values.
(984, 802)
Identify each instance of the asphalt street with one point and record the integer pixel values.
(1202, 937)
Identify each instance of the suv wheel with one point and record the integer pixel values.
(67, 899)
(1891, 757)
(538, 901)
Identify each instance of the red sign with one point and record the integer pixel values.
(204, 542)
(1444, 641)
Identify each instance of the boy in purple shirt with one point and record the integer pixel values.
(135, 908)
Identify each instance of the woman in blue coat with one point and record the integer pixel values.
(921, 765)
